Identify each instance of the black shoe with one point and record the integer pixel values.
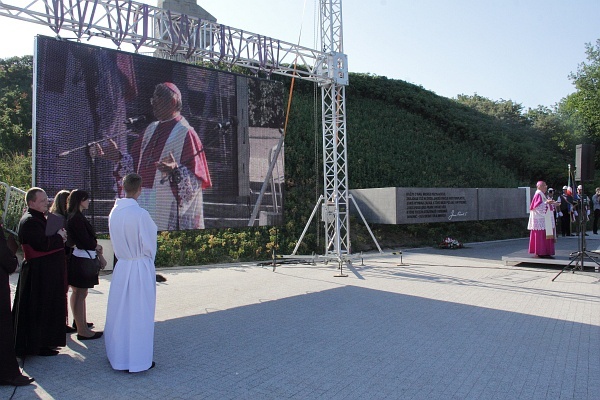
(96, 335)
(70, 329)
(19, 380)
(89, 324)
(46, 352)
(152, 366)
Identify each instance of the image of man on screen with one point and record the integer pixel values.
(171, 160)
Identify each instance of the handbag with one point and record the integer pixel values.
(88, 268)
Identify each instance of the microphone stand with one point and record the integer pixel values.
(174, 178)
(95, 142)
(91, 157)
(92, 169)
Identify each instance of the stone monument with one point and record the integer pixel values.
(187, 7)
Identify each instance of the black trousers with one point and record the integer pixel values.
(596, 219)
(9, 368)
(565, 224)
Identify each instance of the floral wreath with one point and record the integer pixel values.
(450, 243)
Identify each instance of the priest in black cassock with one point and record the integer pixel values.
(40, 301)
(10, 374)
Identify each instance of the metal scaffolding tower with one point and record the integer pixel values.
(333, 110)
(184, 38)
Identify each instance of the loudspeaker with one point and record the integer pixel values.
(585, 165)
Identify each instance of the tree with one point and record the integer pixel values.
(584, 104)
(556, 124)
(505, 110)
(15, 105)
(16, 75)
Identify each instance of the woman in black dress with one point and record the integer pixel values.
(82, 235)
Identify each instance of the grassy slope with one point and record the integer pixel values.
(400, 134)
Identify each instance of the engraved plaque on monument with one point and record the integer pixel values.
(419, 205)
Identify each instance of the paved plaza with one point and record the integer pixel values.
(444, 324)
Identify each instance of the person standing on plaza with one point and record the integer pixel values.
(565, 204)
(129, 329)
(39, 305)
(541, 223)
(86, 247)
(596, 205)
(58, 211)
(10, 374)
(556, 212)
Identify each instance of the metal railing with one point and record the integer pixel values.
(13, 206)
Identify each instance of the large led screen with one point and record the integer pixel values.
(207, 143)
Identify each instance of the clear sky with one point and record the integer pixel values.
(522, 50)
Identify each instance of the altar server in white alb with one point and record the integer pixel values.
(129, 329)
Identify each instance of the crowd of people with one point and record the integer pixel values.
(161, 177)
(60, 250)
(160, 182)
(565, 212)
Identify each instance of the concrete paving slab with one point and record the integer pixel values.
(449, 324)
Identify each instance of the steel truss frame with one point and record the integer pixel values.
(178, 36)
(173, 34)
(335, 211)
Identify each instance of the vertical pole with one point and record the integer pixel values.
(335, 170)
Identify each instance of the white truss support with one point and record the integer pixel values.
(335, 171)
(331, 26)
(173, 35)
(335, 209)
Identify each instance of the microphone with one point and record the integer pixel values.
(226, 124)
(135, 120)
